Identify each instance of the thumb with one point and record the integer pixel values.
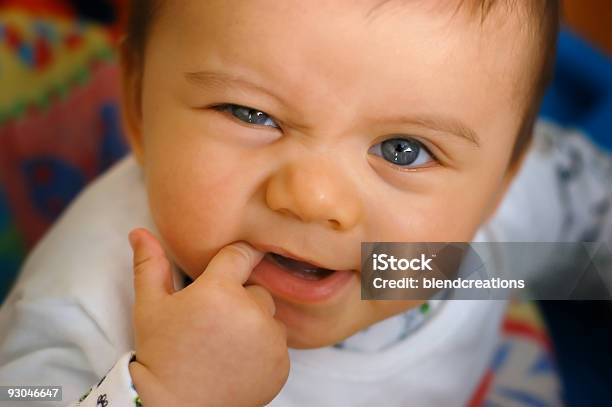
(152, 272)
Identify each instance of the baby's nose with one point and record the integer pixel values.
(315, 192)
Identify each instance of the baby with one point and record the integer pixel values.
(273, 137)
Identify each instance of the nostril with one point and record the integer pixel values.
(334, 223)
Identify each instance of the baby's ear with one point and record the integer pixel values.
(131, 100)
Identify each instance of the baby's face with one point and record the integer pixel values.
(306, 130)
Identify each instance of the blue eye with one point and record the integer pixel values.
(248, 115)
(404, 152)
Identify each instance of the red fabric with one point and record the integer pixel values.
(519, 328)
(71, 129)
(119, 29)
(511, 328)
(482, 390)
(53, 7)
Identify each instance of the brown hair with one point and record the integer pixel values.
(545, 13)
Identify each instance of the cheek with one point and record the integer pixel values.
(196, 200)
(451, 210)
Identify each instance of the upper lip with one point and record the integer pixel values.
(278, 250)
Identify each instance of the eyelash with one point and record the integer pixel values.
(228, 108)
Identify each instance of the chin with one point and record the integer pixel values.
(299, 339)
(309, 329)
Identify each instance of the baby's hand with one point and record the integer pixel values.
(213, 343)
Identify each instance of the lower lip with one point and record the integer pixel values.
(290, 287)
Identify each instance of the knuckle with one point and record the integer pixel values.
(254, 320)
(258, 293)
(265, 294)
(238, 254)
(141, 265)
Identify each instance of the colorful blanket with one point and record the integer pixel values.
(59, 121)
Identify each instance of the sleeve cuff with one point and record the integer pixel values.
(115, 389)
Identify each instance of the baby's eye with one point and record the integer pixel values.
(248, 115)
(404, 152)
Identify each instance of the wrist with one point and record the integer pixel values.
(150, 389)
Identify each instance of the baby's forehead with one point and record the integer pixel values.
(480, 10)
(444, 34)
(494, 12)
(406, 21)
(371, 8)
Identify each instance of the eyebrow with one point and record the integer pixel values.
(209, 79)
(442, 124)
(212, 79)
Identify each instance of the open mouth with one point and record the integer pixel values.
(298, 280)
(300, 269)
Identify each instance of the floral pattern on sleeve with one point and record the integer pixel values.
(115, 389)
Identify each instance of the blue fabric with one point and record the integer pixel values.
(11, 247)
(581, 97)
(581, 93)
